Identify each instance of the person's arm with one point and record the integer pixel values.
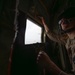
(44, 61)
(53, 36)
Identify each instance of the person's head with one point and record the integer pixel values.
(67, 19)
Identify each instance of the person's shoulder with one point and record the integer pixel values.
(64, 38)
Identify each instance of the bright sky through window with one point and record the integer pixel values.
(33, 33)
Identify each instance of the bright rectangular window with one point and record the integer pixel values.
(33, 33)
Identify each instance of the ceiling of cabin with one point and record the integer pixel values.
(49, 9)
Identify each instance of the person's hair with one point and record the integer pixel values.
(67, 13)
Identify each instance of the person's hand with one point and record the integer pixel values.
(45, 62)
(45, 25)
(43, 59)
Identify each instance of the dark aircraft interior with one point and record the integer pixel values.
(18, 58)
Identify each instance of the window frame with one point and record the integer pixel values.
(42, 29)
